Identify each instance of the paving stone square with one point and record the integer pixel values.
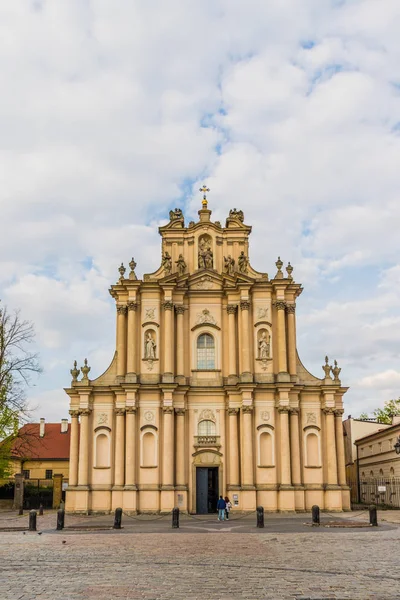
(203, 559)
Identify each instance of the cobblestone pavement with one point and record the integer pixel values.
(211, 564)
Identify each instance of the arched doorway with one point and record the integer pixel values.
(207, 478)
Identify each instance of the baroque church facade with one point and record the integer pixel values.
(206, 394)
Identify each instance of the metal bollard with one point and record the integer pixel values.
(32, 520)
(117, 518)
(40, 510)
(373, 516)
(175, 518)
(315, 515)
(60, 519)
(260, 517)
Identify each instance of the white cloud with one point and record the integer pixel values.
(111, 113)
(386, 380)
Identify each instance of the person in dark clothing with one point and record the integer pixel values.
(221, 506)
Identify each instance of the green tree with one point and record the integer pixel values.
(364, 416)
(17, 365)
(390, 409)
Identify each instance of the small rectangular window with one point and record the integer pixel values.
(49, 474)
(26, 473)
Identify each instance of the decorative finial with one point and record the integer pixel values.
(121, 271)
(327, 369)
(132, 266)
(279, 264)
(75, 372)
(204, 189)
(289, 270)
(336, 371)
(85, 370)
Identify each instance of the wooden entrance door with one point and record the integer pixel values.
(206, 490)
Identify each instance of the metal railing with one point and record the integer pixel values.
(206, 440)
(376, 490)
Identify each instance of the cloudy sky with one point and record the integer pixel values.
(113, 112)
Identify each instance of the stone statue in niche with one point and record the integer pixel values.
(205, 254)
(264, 345)
(229, 264)
(150, 346)
(167, 263)
(181, 265)
(243, 262)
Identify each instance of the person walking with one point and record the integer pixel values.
(221, 505)
(228, 506)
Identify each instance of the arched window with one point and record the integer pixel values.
(380, 472)
(205, 352)
(371, 473)
(206, 428)
(391, 472)
(102, 450)
(363, 474)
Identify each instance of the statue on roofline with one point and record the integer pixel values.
(181, 265)
(167, 263)
(175, 214)
(229, 264)
(243, 262)
(236, 214)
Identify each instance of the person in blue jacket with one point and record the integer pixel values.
(221, 506)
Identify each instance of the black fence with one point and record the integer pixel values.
(376, 490)
(7, 491)
(38, 492)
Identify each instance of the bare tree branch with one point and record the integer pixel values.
(17, 365)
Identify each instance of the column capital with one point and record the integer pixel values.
(280, 304)
(167, 410)
(180, 412)
(122, 310)
(74, 413)
(84, 412)
(131, 410)
(120, 412)
(231, 309)
(132, 305)
(179, 309)
(294, 411)
(328, 411)
(338, 412)
(247, 409)
(232, 412)
(290, 308)
(167, 305)
(244, 305)
(283, 409)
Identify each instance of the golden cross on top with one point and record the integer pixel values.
(204, 189)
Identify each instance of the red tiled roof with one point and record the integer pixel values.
(53, 445)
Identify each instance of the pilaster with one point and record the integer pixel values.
(122, 311)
